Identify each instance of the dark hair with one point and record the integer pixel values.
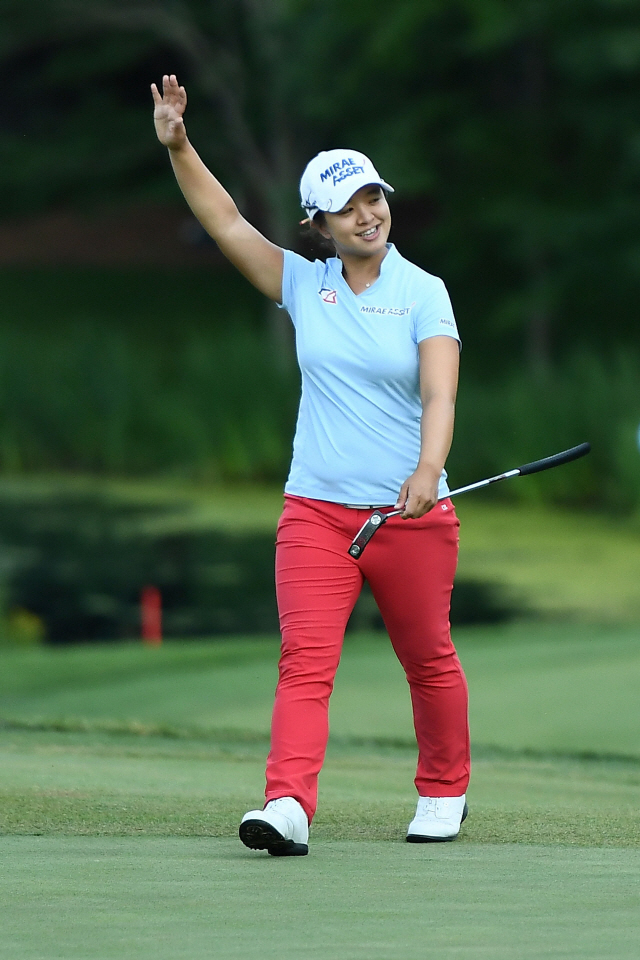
(315, 239)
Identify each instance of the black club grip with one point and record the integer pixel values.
(574, 453)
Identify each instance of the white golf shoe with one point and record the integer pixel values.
(282, 829)
(437, 819)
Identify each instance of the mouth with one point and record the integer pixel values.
(371, 233)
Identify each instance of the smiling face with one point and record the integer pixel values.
(362, 227)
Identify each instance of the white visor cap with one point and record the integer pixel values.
(331, 178)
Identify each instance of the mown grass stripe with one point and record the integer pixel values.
(225, 735)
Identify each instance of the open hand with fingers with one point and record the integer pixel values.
(168, 113)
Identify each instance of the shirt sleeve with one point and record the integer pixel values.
(296, 271)
(434, 314)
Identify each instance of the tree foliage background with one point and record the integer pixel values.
(511, 132)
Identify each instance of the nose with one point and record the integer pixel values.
(365, 214)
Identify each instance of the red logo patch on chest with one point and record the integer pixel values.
(329, 296)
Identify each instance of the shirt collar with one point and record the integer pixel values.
(335, 263)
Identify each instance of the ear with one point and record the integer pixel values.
(321, 227)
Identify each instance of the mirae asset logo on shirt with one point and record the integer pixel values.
(388, 311)
(331, 296)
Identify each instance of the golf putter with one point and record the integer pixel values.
(377, 518)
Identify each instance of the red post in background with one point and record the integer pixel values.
(151, 616)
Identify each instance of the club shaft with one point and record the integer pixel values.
(482, 483)
(377, 519)
(470, 486)
(574, 453)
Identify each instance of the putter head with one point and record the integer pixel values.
(365, 533)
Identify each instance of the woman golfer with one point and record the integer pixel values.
(378, 350)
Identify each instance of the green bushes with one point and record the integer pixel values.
(119, 375)
(72, 567)
(140, 372)
(89, 398)
(501, 425)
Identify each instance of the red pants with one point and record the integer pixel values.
(410, 565)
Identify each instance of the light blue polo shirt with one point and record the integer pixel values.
(358, 432)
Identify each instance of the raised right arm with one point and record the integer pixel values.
(259, 260)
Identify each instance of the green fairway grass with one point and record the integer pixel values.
(127, 784)
(125, 739)
(567, 689)
(125, 771)
(98, 899)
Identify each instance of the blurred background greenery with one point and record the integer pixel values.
(148, 395)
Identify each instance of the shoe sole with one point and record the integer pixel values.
(420, 838)
(260, 835)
